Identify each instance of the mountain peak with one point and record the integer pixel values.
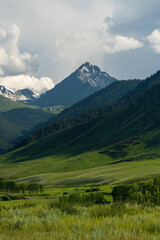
(93, 75)
(88, 67)
(81, 83)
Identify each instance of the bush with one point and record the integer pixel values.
(93, 190)
(65, 193)
(83, 199)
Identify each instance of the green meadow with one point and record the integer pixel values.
(127, 161)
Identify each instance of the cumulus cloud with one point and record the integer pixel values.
(154, 40)
(39, 85)
(16, 67)
(93, 42)
(12, 61)
(120, 44)
(77, 24)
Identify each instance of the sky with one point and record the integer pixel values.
(43, 41)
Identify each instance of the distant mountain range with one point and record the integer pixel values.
(84, 81)
(21, 95)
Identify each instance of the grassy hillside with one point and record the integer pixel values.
(17, 123)
(127, 161)
(120, 147)
(6, 104)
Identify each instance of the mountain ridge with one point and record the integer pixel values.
(71, 116)
(20, 95)
(81, 83)
(103, 97)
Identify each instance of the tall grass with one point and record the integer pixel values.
(97, 222)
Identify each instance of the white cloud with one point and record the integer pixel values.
(51, 20)
(12, 61)
(43, 23)
(92, 43)
(16, 67)
(25, 81)
(154, 40)
(120, 44)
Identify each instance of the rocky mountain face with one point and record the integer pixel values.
(93, 75)
(84, 81)
(21, 95)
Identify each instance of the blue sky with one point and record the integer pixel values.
(45, 40)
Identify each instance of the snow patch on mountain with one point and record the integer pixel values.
(21, 95)
(92, 74)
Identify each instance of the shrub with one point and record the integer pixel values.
(83, 199)
(65, 193)
(93, 190)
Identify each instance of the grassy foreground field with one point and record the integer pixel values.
(45, 221)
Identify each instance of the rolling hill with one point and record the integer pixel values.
(7, 104)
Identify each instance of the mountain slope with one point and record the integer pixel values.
(139, 116)
(105, 96)
(17, 123)
(20, 95)
(72, 116)
(143, 86)
(84, 81)
(109, 94)
(126, 137)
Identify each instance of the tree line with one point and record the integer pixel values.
(140, 193)
(12, 186)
